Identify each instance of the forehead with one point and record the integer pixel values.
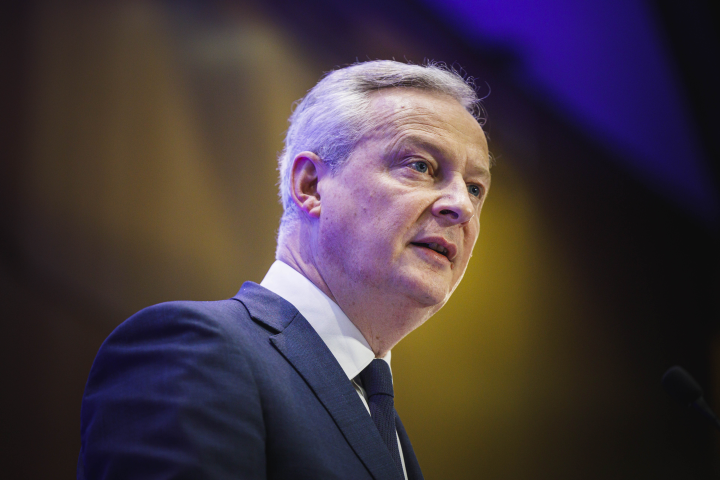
(424, 116)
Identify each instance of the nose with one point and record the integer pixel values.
(454, 205)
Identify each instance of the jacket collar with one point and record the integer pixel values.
(337, 331)
(301, 346)
(266, 307)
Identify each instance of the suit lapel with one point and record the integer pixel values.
(303, 348)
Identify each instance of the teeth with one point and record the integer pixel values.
(438, 248)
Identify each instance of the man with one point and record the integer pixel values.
(383, 176)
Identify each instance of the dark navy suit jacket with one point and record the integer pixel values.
(233, 389)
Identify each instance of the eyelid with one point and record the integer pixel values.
(415, 160)
(480, 187)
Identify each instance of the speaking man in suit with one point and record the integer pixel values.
(383, 175)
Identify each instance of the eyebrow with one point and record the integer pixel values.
(486, 175)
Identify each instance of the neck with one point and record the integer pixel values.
(382, 318)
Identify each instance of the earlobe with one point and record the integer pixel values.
(305, 174)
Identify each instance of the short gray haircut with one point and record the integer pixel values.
(334, 115)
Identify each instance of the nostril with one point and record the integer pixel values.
(449, 212)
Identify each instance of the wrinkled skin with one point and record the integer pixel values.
(418, 180)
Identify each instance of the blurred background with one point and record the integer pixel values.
(138, 166)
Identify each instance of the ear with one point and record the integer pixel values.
(306, 171)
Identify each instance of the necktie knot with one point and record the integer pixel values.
(377, 379)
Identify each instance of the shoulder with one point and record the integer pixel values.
(224, 333)
(214, 336)
(184, 319)
(173, 336)
(253, 309)
(164, 380)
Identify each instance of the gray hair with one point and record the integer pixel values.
(334, 115)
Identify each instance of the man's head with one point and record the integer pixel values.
(333, 116)
(383, 177)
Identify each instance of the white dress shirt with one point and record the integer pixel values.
(341, 336)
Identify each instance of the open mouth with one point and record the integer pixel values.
(435, 247)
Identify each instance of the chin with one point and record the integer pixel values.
(427, 293)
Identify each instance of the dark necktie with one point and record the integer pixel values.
(377, 382)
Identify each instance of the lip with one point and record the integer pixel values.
(451, 248)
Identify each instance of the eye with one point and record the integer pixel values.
(420, 166)
(474, 190)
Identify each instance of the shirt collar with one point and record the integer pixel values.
(341, 336)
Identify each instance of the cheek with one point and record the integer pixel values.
(384, 213)
(351, 235)
(369, 221)
(470, 239)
